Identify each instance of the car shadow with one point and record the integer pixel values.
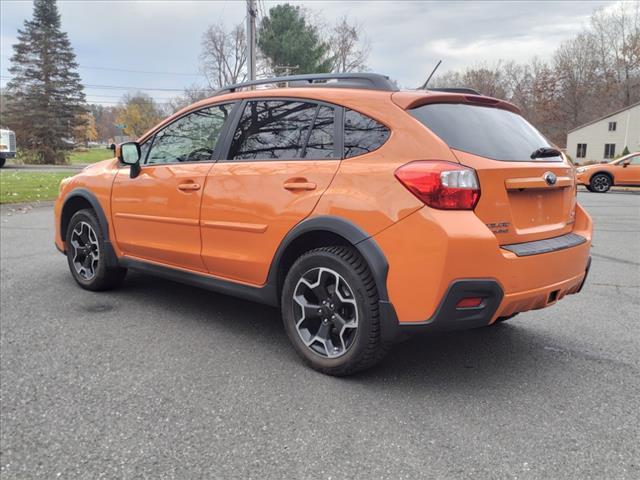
(500, 355)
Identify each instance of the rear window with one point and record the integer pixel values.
(484, 131)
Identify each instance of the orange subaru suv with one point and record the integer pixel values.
(363, 212)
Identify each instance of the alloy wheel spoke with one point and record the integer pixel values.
(86, 250)
(327, 314)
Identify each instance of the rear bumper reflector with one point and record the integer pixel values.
(545, 246)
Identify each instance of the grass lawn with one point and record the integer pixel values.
(17, 186)
(93, 155)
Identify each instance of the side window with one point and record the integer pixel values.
(362, 134)
(283, 129)
(635, 160)
(320, 143)
(191, 138)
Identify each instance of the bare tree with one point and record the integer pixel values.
(191, 94)
(224, 55)
(349, 47)
(575, 66)
(616, 37)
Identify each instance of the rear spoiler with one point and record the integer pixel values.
(416, 98)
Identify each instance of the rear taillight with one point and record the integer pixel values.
(443, 185)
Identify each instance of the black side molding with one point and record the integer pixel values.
(265, 295)
(545, 246)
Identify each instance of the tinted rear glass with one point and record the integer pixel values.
(283, 129)
(362, 134)
(484, 131)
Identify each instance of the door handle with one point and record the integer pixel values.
(299, 186)
(189, 187)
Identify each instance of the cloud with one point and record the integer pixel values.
(407, 37)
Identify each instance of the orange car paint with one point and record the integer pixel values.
(220, 230)
(621, 175)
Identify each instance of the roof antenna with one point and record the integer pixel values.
(424, 85)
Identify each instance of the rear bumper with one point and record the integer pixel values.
(434, 257)
(495, 305)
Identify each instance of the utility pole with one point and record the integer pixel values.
(251, 38)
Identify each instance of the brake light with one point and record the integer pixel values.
(442, 185)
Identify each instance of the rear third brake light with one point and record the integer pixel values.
(442, 185)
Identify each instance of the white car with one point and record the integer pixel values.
(7, 146)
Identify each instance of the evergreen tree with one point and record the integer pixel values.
(45, 99)
(288, 40)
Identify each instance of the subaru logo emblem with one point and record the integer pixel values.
(550, 178)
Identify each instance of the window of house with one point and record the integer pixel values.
(612, 126)
(362, 134)
(283, 129)
(581, 150)
(609, 150)
(191, 138)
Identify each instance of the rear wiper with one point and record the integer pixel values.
(545, 152)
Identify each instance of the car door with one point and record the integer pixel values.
(156, 215)
(282, 155)
(628, 171)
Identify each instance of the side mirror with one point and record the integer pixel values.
(129, 154)
(625, 164)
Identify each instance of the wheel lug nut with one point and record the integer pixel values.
(331, 305)
(333, 317)
(319, 310)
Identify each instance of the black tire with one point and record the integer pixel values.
(364, 347)
(588, 187)
(2, 162)
(94, 273)
(600, 183)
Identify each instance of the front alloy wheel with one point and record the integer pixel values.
(86, 253)
(600, 183)
(86, 250)
(326, 313)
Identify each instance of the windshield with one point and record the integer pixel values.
(485, 131)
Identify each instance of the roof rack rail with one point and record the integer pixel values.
(467, 90)
(368, 81)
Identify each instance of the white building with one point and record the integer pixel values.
(605, 138)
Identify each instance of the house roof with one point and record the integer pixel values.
(605, 116)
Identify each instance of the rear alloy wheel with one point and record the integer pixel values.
(86, 254)
(327, 313)
(330, 311)
(600, 183)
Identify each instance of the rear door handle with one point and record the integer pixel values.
(189, 187)
(300, 186)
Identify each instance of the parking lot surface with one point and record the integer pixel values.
(162, 380)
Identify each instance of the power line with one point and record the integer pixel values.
(124, 87)
(141, 71)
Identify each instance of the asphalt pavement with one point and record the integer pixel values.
(162, 380)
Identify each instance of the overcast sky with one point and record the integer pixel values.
(407, 38)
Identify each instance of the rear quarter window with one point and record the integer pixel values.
(485, 131)
(362, 134)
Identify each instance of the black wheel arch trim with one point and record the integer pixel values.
(90, 197)
(602, 172)
(366, 246)
(363, 242)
